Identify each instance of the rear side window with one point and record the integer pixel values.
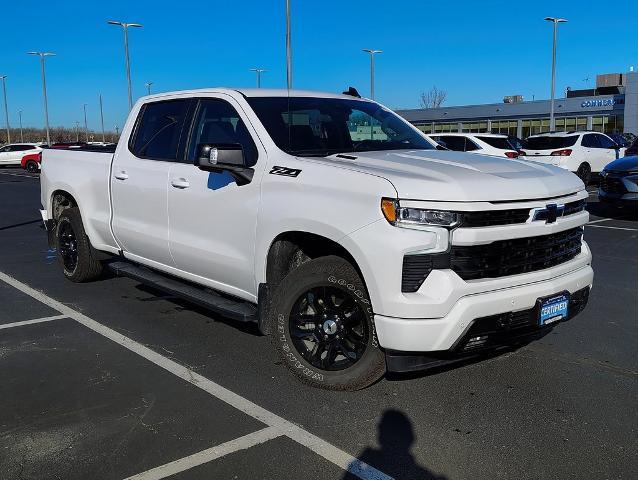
(502, 143)
(159, 128)
(550, 143)
(458, 143)
(590, 141)
(20, 148)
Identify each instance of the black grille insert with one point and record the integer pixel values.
(416, 269)
(513, 257)
(612, 185)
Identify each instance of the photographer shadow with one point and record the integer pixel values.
(393, 457)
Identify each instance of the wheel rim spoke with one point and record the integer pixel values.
(329, 328)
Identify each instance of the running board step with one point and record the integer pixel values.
(208, 299)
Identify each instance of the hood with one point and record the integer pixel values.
(625, 164)
(464, 177)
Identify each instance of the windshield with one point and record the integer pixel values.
(549, 143)
(324, 126)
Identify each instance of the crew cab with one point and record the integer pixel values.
(355, 255)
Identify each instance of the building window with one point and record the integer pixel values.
(427, 128)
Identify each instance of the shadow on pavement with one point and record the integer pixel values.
(395, 437)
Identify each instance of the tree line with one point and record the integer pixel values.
(58, 134)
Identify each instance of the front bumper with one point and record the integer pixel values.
(444, 333)
(486, 334)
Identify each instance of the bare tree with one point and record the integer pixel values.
(433, 98)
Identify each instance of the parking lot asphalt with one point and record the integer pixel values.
(114, 379)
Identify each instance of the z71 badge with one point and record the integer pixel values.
(285, 171)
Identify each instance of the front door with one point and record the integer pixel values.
(212, 220)
(139, 182)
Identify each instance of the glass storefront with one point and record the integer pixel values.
(533, 126)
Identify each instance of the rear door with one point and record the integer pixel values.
(598, 151)
(5, 155)
(139, 181)
(212, 220)
(608, 151)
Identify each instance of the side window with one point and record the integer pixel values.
(454, 143)
(605, 142)
(470, 145)
(158, 130)
(591, 141)
(217, 122)
(4, 149)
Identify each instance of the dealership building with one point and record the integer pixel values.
(611, 107)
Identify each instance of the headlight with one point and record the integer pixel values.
(414, 217)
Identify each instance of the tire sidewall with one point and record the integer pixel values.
(31, 170)
(66, 219)
(334, 272)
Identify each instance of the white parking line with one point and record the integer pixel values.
(614, 228)
(30, 322)
(205, 456)
(599, 220)
(328, 451)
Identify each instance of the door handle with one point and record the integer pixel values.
(121, 175)
(180, 183)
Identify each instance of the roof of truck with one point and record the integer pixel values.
(257, 92)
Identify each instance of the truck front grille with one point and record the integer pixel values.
(512, 257)
(490, 218)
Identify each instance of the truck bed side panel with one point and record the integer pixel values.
(86, 177)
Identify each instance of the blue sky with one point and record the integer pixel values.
(476, 51)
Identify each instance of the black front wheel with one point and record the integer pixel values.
(32, 166)
(323, 327)
(584, 173)
(75, 253)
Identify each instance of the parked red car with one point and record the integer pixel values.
(632, 150)
(31, 162)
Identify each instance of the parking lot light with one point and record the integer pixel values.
(125, 27)
(555, 21)
(20, 120)
(86, 126)
(372, 54)
(148, 87)
(6, 108)
(102, 119)
(258, 71)
(42, 55)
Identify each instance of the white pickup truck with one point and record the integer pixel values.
(332, 223)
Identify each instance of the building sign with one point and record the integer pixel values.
(604, 102)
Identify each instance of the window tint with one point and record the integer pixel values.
(4, 149)
(217, 122)
(19, 148)
(605, 142)
(458, 143)
(549, 142)
(502, 143)
(590, 141)
(324, 126)
(159, 129)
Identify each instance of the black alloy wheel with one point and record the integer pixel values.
(68, 245)
(328, 328)
(32, 167)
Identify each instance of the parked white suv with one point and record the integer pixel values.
(481, 143)
(12, 153)
(584, 153)
(357, 255)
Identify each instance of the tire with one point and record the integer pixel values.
(32, 166)
(584, 173)
(74, 251)
(322, 326)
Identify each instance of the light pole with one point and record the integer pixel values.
(117, 131)
(77, 131)
(288, 47)
(102, 120)
(20, 119)
(258, 71)
(86, 125)
(6, 108)
(372, 54)
(125, 27)
(42, 55)
(148, 87)
(555, 21)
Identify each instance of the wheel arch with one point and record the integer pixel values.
(292, 248)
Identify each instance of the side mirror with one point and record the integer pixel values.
(221, 157)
